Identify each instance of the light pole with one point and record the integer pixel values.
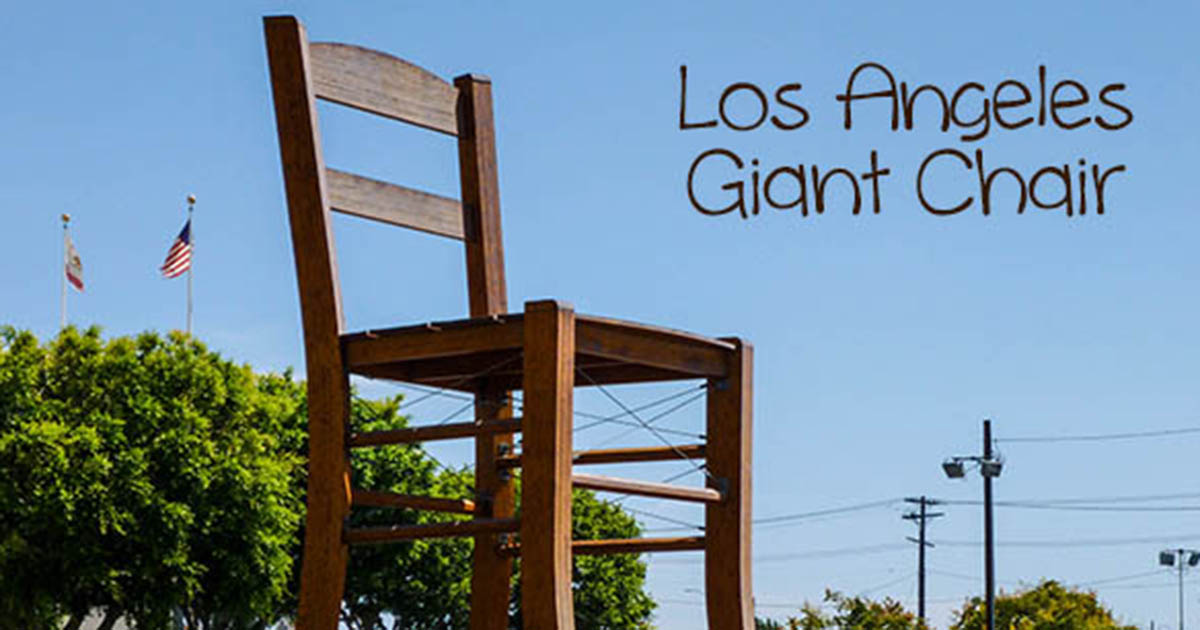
(1168, 558)
(989, 468)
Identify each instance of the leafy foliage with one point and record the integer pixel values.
(1047, 606)
(849, 613)
(142, 476)
(149, 478)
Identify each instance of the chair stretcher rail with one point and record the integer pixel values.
(400, 533)
(437, 432)
(372, 498)
(622, 455)
(621, 545)
(646, 488)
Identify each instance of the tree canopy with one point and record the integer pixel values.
(848, 613)
(1047, 606)
(143, 477)
(149, 478)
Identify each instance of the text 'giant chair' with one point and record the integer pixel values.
(545, 351)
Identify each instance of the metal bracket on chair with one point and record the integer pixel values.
(722, 484)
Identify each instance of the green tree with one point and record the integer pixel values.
(142, 477)
(148, 477)
(1046, 606)
(849, 613)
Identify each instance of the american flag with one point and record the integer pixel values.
(179, 258)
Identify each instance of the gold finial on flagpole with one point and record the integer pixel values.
(66, 218)
(191, 200)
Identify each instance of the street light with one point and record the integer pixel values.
(954, 469)
(1167, 557)
(989, 468)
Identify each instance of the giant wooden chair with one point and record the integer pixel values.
(545, 351)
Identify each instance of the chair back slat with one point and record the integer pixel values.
(382, 84)
(393, 204)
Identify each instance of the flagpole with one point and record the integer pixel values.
(191, 199)
(66, 218)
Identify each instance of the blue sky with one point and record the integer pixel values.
(882, 340)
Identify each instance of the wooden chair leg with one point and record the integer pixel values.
(323, 574)
(727, 524)
(546, 601)
(323, 570)
(491, 572)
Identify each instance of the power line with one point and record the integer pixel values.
(826, 512)
(1101, 437)
(685, 525)
(878, 587)
(1122, 578)
(860, 550)
(1038, 505)
(964, 576)
(1141, 498)
(1074, 542)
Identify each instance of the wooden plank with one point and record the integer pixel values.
(410, 435)
(382, 84)
(546, 601)
(643, 454)
(616, 546)
(646, 488)
(727, 524)
(617, 374)
(486, 295)
(395, 205)
(452, 529)
(651, 346)
(383, 347)
(372, 498)
(621, 455)
(481, 196)
(491, 574)
(636, 545)
(323, 565)
(455, 372)
(461, 373)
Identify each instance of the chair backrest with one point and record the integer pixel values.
(381, 84)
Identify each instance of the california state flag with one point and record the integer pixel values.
(73, 266)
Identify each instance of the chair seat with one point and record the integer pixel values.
(460, 354)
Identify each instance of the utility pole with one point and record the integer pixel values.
(989, 545)
(989, 467)
(1176, 557)
(920, 518)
